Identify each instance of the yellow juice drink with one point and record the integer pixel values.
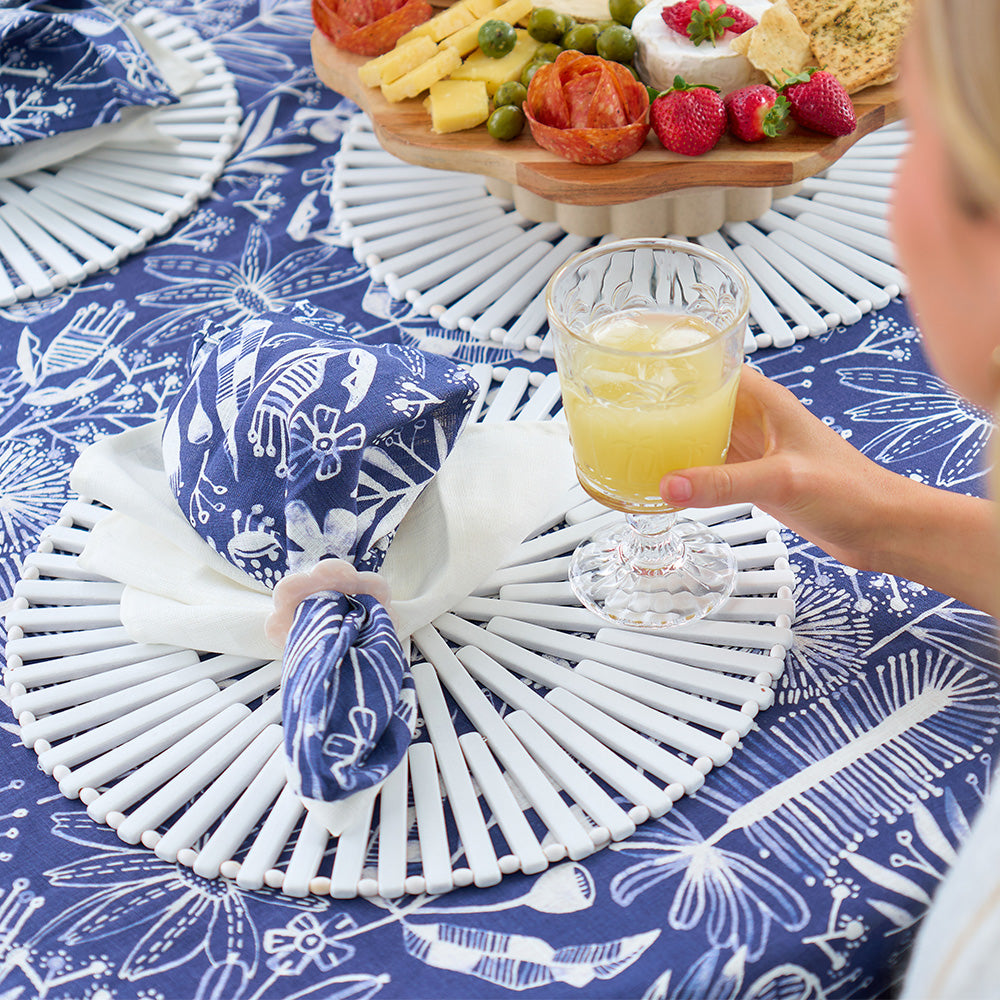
(649, 393)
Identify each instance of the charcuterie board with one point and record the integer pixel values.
(403, 129)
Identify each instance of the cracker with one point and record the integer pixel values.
(810, 12)
(884, 78)
(778, 44)
(859, 42)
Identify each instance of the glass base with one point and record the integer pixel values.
(653, 572)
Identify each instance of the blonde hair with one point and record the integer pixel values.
(959, 42)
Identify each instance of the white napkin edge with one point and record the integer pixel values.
(135, 125)
(344, 814)
(125, 472)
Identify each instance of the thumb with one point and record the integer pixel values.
(715, 485)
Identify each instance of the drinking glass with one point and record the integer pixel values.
(649, 346)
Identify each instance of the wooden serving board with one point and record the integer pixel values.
(404, 130)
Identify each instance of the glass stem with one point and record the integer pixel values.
(651, 548)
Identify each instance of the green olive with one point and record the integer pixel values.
(548, 52)
(546, 25)
(512, 92)
(496, 38)
(529, 71)
(506, 123)
(616, 44)
(583, 38)
(623, 11)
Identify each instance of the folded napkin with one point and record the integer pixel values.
(67, 65)
(287, 449)
(38, 130)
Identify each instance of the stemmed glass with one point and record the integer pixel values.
(648, 345)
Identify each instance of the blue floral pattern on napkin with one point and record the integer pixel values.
(290, 445)
(69, 65)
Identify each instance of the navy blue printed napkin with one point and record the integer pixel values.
(290, 447)
(67, 65)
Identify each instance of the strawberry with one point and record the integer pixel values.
(688, 120)
(819, 102)
(706, 20)
(756, 112)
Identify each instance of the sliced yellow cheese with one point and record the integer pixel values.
(447, 21)
(458, 104)
(582, 10)
(444, 62)
(481, 8)
(394, 63)
(466, 39)
(493, 72)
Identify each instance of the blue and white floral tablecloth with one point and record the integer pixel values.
(798, 871)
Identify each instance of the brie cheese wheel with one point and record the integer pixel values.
(662, 53)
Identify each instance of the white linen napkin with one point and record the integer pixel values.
(496, 487)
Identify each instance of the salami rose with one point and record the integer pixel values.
(587, 109)
(368, 27)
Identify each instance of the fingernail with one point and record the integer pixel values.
(678, 488)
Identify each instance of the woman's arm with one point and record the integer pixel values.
(790, 464)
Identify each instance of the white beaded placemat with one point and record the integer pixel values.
(817, 260)
(545, 735)
(61, 224)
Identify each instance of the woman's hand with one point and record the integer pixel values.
(792, 465)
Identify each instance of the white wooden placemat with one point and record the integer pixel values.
(546, 734)
(439, 240)
(61, 224)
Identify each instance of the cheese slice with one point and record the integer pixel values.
(394, 63)
(481, 8)
(451, 19)
(466, 39)
(581, 10)
(445, 61)
(457, 104)
(494, 72)
(444, 24)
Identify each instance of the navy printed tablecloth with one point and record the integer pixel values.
(802, 867)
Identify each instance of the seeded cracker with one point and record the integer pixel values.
(810, 12)
(856, 40)
(860, 44)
